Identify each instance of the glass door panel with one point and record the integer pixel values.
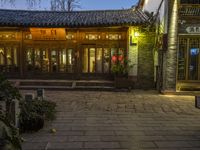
(85, 60)
(121, 54)
(92, 60)
(2, 56)
(99, 68)
(54, 61)
(182, 59)
(63, 60)
(2, 59)
(45, 60)
(9, 56)
(193, 64)
(70, 60)
(8, 59)
(15, 56)
(37, 59)
(193, 59)
(113, 56)
(30, 59)
(106, 60)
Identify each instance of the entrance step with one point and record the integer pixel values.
(188, 86)
(93, 85)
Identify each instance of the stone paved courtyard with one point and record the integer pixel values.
(134, 120)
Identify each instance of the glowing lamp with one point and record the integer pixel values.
(136, 34)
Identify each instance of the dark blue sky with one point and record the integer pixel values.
(107, 4)
(85, 4)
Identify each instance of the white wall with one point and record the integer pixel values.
(153, 6)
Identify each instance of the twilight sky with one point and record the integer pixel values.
(85, 4)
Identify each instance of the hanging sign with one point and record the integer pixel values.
(48, 33)
(193, 29)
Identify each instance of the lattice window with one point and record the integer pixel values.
(190, 1)
(193, 59)
(70, 36)
(92, 36)
(182, 59)
(114, 36)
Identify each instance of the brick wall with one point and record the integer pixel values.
(145, 78)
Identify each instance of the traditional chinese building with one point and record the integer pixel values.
(179, 56)
(75, 45)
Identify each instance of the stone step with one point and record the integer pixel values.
(93, 85)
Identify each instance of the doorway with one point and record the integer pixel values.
(98, 59)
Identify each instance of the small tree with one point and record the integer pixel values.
(55, 5)
(31, 4)
(64, 5)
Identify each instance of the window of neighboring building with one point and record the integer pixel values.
(189, 59)
(190, 1)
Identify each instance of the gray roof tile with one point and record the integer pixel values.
(72, 19)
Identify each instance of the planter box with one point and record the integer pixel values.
(123, 83)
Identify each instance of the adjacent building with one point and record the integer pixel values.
(75, 45)
(179, 55)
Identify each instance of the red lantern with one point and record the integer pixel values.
(114, 58)
(120, 58)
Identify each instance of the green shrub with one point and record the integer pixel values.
(9, 135)
(34, 112)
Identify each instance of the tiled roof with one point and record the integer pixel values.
(72, 19)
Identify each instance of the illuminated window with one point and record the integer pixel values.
(70, 36)
(113, 36)
(92, 36)
(28, 36)
(189, 59)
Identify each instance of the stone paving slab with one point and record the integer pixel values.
(133, 120)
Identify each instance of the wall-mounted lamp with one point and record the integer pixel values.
(136, 34)
(133, 41)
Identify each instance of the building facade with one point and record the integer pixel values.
(179, 57)
(75, 45)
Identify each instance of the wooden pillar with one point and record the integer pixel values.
(21, 54)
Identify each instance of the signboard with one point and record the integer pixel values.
(48, 33)
(193, 29)
(197, 102)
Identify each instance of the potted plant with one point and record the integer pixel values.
(120, 69)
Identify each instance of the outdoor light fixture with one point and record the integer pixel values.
(136, 34)
(133, 41)
(134, 38)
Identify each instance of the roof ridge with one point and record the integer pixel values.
(77, 11)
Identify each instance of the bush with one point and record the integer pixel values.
(33, 114)
(9, 135)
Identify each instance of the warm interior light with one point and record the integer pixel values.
(136, 34)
